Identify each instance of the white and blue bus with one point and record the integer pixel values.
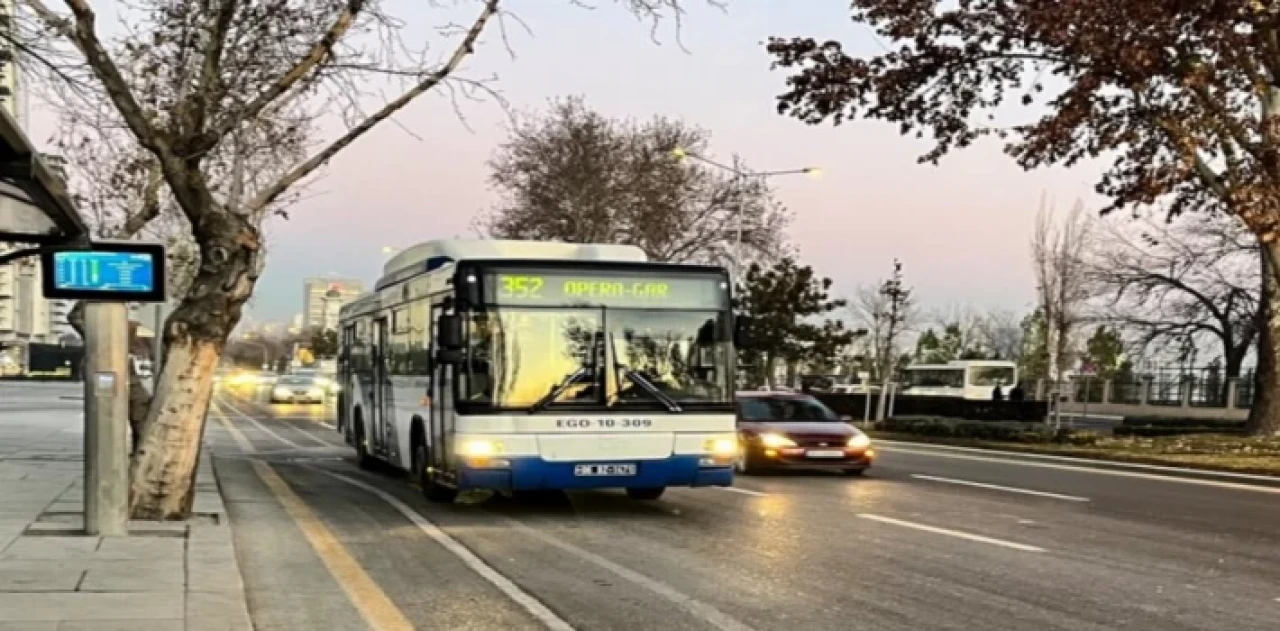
(520, 365)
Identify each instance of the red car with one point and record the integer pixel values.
(790, 430)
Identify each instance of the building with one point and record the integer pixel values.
(323, 297)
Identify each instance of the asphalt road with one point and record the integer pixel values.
(914, 545)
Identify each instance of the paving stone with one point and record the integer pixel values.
(90, 606)
(51, 548)
(141, 548)
(122, 625)
(214, 576)
(129, 576)
(39, 580)
(217, 611)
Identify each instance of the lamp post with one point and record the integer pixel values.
(681, 154)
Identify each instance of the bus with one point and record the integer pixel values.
(518, 366)
(969, 379)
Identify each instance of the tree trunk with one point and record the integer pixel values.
(163, 472)
(1264, 415)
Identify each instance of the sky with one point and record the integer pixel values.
(961, 229)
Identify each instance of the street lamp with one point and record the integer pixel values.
(681, 154)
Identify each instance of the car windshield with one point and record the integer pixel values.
(296, 380)
(518, 357)
(785, 409)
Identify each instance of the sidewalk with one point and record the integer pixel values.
(52, 577)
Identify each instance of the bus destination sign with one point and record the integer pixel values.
(670, 292)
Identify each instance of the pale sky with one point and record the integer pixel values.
(961, 229)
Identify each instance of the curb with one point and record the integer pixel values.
(1187, 473)
(216, 596)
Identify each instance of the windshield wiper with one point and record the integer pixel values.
(644, 383)
(555, 393)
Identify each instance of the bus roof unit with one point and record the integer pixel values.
(433, 254)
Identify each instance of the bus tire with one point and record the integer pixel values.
(341, 424)
(431, 489)
(646, 492)
(363, 459)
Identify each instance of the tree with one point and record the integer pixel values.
(1034, 352)
(780, 305)
(1058, 255)
(886, 311)
(1105, 350)
(1196, 277)
(1182, 97)
(575, 175)
(198, 85)
(324, 344)
(1003, 332)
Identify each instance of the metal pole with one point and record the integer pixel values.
(737, 235)
(106, 401)
(157, 345)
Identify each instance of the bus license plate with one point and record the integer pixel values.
(825, 454)
(604, 469)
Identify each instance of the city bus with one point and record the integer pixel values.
(518, 365)
(969, 379)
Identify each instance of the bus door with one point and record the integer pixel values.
(381, 387)
(441, 400)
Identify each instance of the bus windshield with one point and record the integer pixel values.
(935, 377)
(991, 375)
(521, 357)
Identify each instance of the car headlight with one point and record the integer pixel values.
(776, 440)
(479, 448)
(315, 392)
(860, 441)
(721, 447)
(281, 392)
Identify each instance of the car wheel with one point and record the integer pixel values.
(646, 492)
(742, 463)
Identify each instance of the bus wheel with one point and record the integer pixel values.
(431, 489)
(646, 492)
(363, 459)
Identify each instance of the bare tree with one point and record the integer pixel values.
(1062, 281)
(1003, 334)
(1194, 279)
(200, 84)
(573, 174)
(887, 311)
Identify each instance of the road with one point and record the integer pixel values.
(926, 541)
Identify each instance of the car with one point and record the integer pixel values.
(297, 389)
(781, 430)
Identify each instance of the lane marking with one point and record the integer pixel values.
(264, 428)
(997, 487)
(530, 604)
(242, 441)
(951, 533)
(374, 605)
(927, 448)
(738, 489)
(706, 612)
(257, 407)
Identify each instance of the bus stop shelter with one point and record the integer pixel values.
(35, 207)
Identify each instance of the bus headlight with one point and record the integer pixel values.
(859, 441)
(479, 448)
(726, 447)
(775, 441)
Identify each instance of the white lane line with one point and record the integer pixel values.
(997, 487)
(738, 489)
(262, 427)
(708, 613)
(951, 533)
(504, 584)
(1238, 486)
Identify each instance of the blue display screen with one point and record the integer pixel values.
(105, 272)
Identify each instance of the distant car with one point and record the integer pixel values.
(297, 389)
(779, 430)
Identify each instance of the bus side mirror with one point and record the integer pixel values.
(449, 332)
(741, 337)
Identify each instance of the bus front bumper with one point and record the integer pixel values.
(535, 474)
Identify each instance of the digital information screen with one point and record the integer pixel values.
(107, 272)
(617, 289)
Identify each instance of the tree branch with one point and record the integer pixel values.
(464, 49)
(211, 69)
(314, 57)
(82, 34)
